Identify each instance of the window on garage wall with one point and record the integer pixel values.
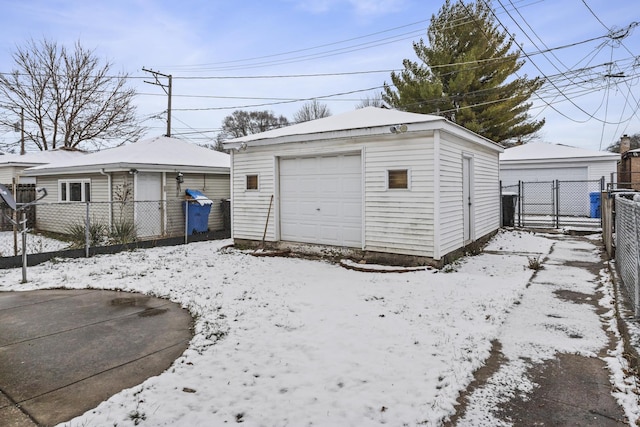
(252, 182)
(398, 179)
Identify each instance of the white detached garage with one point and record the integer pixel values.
(540, 161)
(373, 180)
(540, 164)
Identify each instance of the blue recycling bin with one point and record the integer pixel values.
(197, 211)
(595, 204)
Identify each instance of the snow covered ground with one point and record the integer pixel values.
(283, 341)
(36, 243)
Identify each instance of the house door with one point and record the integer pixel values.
(148, 206)
(467, 198)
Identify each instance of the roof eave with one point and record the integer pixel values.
(558, 160)
(382, 130)
(124, 167)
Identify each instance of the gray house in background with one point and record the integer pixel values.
(151, 176)
(12, 165)
(377, 181)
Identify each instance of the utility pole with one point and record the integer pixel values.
(22, 131)
(167, 90)
(19, 127)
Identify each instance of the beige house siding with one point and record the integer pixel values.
(56, 217)
(6, 174)
(215, 187)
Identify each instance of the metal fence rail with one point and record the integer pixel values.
(84, 225)
(555, 204)
(627, 238)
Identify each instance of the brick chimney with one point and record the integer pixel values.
(625, 144)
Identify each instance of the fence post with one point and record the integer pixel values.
(601, 203)
(556, 202)
(636, 221)
(500, 202)
(24, 246)
(520, 222)
(87, 224)
(186, 222)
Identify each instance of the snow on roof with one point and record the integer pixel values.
(156, 153)
(367, 117)
(546, 151)
(39, 157)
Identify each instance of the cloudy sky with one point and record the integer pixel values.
(275, 54)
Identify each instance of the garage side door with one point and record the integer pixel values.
(148, 206)
(321, 200)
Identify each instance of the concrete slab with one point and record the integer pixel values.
(58, 345)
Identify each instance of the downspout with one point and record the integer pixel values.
(436, 195)
(163, 196)
(109, 197)
(232, 180)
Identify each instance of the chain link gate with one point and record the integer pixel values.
(555, 204)
(627, 238)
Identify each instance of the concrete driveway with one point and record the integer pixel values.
(62, 352)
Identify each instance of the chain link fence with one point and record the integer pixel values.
(555, 204)
(86, 225)
(627, 240)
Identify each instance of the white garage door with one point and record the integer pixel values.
(321, 200)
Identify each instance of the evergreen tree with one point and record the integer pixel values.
(466, 74)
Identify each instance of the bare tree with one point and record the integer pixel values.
(69, 97)
(311, 110)
(242, 123)
(371, 101)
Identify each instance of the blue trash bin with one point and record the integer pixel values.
(595, 204)
(197, 212)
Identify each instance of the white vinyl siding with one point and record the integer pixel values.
(543, 174)
(576, 169)
(603, 168)
(250, 207)
(399, 221)
(485, 192)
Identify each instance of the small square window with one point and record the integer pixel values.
(252, 182)
(398, 178)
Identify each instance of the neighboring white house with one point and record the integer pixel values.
(374, 180)
(12, 165)
(577, 169)
(153, 173)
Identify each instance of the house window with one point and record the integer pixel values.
(75, 190)
(252, 182)
(398, 178)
